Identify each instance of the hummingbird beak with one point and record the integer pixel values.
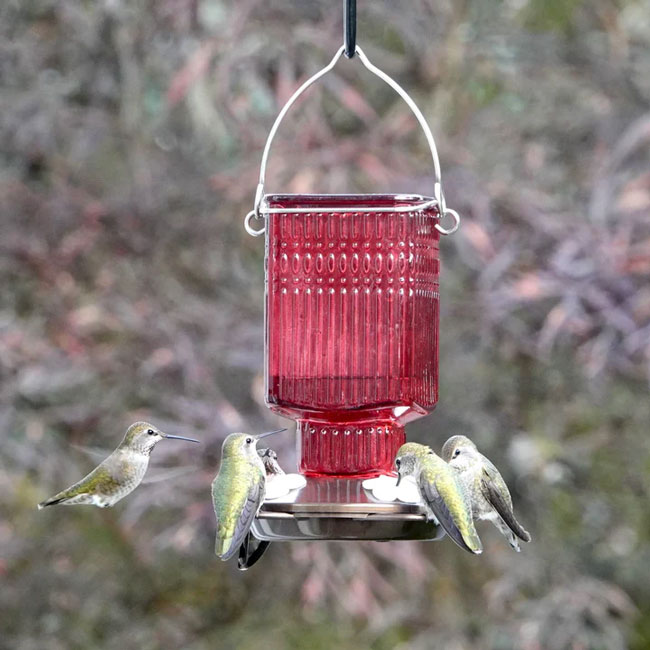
(399, 478)
(269, 433)
(179, 438)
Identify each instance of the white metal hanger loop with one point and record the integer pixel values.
(260, 210)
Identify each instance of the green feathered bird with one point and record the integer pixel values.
(486, 488)
(119, 474)
(238, 491)
(441, 491)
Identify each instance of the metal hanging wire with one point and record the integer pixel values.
(260, 208)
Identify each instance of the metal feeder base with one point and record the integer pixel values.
(340, 509)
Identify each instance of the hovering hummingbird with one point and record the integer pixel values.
(270, 461)
(119, 474)
(238, 491)
(442, 492)
(486, 488)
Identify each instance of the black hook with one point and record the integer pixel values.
(350, 27)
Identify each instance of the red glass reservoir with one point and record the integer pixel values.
(352, 312)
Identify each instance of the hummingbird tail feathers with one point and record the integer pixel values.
(60, 497)
(473, 542)
(68, 498)
(52, 501)
(224, 548)
(506, 531)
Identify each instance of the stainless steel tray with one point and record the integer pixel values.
(340, 509)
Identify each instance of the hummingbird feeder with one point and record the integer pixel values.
(351, 337)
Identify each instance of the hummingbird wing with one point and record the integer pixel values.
(89, 490)
(442, 506)
(235, 510)
(165, 475)
(251, 506)
(496, 491)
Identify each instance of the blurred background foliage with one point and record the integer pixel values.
(130, 139)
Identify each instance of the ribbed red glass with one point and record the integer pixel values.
(352, 310)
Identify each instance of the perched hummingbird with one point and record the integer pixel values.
(270, 461)
(487, 490)
(119, 474)
(441, 491)
(238, 490)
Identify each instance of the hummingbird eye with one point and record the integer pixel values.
(248, 441)
(151, 432)
(456, 453)
(398, 462)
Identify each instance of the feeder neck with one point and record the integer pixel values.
(362, 447)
